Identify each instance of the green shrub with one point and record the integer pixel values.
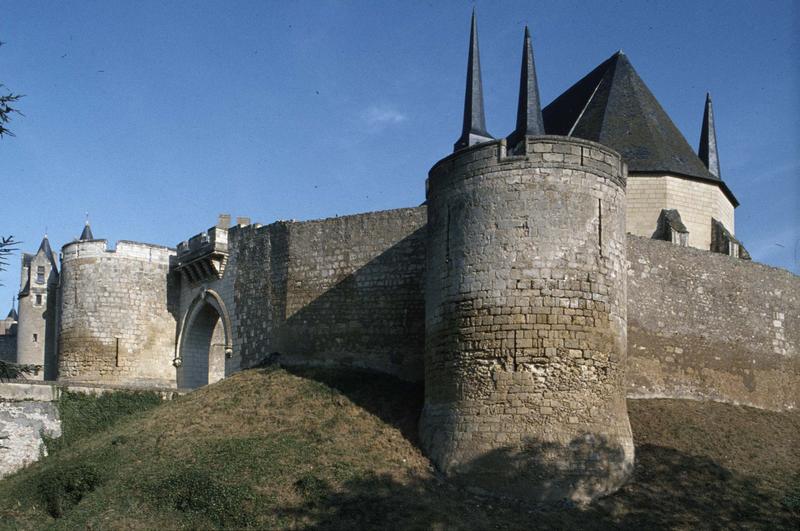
(62, 487)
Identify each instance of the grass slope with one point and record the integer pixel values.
(331, 450)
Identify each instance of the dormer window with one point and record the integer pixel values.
(40, 275)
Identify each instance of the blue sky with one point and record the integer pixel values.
(156, 116)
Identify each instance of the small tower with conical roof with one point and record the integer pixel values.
(529, 108)
(36, 342)
(708, 141)
(474, 129)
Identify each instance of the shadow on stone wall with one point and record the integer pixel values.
(396, 402)
(371, 318)
(542, 471)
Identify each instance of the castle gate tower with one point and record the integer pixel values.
(526, 315)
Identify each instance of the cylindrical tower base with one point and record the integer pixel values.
(526, 320)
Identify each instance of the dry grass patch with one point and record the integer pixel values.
(324, 449)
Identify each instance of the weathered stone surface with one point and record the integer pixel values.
(526, 320)
(708, 326)
(21, 427)
(117, 322)
(344, 290)
(8, 348)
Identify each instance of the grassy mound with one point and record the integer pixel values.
(331, 450)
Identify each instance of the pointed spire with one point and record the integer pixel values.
(87, 231)
(708, 141)
(44, 248)
(529, 108)
(13, 313)
(474, 130)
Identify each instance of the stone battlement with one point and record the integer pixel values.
(124, 249)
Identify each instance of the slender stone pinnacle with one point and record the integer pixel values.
(474, 130)
(708, 141)
(529, 109)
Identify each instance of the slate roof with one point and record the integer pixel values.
(529, 109)
(613, 106)
(44, 247)
(707, 151)
(13, 315)
(474, 128)
(87, 233)
(27, 258)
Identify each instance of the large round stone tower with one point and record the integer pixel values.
(117, 322)
(526, 319)
(526, 309)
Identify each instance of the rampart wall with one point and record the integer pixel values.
(708, 326)
(344, 290)
(118, 323)
(8, 348)
(349, 291)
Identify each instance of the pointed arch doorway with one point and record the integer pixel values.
(204, 344)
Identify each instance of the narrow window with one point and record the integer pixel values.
(35, 338)
(40, 275)
(600, 225)
(38, 300)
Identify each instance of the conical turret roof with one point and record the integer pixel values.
(87, 232)
(13, 314)
(613, 106)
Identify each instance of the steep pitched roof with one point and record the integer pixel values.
(44, 247)
(613, 106)
(27, 258)
(13, 314)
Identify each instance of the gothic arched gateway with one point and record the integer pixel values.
(204, 343)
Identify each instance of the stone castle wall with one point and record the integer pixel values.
(350, 291)
(526, 319)
(344, 290)
(8, 348)
(708, 326)
(117, 321)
